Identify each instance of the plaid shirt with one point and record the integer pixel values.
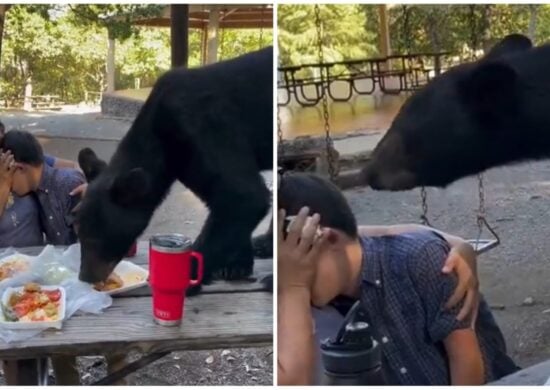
(404, 291)
(56, 203)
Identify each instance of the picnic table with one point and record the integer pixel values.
(224, 315)
(45, 102)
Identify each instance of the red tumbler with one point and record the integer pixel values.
(170, 258)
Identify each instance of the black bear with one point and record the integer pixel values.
(211, 128)
(473, 117)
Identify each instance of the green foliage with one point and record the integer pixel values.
(345, 35)
(116, 18)
(352, 31)
(62, 49)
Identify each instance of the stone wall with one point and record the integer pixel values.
(120, 106)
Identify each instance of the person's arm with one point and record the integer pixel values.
(458, 337)
(296, 264)
(296, 342)
(461, 260)
(75, 179)
(6, 175)
(465, 359)
(60, 163)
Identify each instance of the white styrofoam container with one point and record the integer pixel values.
(16, 256)
(132, 275)
(34, 325)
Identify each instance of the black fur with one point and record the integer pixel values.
(473, 117)
(211, 129)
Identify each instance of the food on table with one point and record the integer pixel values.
(33, 304)
(11, 267)
(112, 283)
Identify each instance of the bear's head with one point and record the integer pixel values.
(111, 216)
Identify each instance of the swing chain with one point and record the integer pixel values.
(424, 217)
(279, 127)
(481, 219)
(328, 139)
(481, 209)
(261, 38)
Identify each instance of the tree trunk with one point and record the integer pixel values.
(485, 27)
(533, 11)
(3, 11)
(111, 63)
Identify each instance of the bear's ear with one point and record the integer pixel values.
(130, 188)
(491, 89)
(510, 44)
(90, 164)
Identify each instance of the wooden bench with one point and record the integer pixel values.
(45, 102)
(225, 315)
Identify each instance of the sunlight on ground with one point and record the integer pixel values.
(137, 94)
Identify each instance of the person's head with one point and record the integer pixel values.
(29, 157)
(334, 274)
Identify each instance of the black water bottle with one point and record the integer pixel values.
(353, 358)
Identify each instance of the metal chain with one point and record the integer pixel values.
(328, 139)
(261, 39)
(222, 41)
(481, 210)
(424, 216)
(279, 127)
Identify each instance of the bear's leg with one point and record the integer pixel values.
(236, 207)
(263, 244)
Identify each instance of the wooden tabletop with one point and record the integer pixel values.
(226, 314)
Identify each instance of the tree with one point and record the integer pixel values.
(3, 11)
(116, 18)
(345, 35)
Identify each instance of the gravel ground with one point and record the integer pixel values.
(515, 277)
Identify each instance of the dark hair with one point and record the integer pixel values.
(2, 127)
(298, 190)
(24, 147)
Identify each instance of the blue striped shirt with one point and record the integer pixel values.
(56, 204)
(404, 292)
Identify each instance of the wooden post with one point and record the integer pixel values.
(212, 39)
(111, 64)
(385, 48)
(179, 34)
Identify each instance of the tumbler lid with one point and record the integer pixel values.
(170, 243)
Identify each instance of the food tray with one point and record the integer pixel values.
(15, 257)
(132, 275)
(33, 325)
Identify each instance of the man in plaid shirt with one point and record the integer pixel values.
(396, 274)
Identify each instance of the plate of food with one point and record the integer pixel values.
(33, 306)
(14, 264)
(126, 276)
